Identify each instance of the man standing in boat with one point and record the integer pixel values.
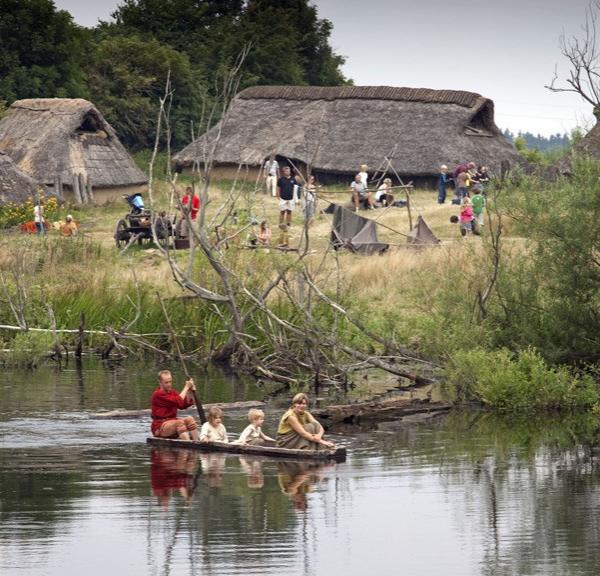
(165, 402)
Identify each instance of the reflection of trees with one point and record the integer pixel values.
(530, 483)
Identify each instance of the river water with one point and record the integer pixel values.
(464, 494)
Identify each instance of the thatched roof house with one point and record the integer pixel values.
(338, 128)
(55, 139)
(15, 185)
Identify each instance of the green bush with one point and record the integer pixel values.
(519, 383)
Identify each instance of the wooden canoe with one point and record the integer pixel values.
(339, 454)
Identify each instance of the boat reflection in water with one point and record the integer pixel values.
(178, 471)
(173, 471)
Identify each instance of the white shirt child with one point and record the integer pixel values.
(211, 434)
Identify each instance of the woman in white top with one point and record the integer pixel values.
(213, 430)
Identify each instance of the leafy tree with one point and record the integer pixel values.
(40, 51)
(127, 75)
(289, 41)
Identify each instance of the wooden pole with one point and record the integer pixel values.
(82, 189)
(90, 191)
(76, 192)
(410, 226)
(199, 407)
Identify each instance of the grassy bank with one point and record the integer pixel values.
(534, 347)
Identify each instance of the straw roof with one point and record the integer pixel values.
(15, 186)
(338, 128)
(53, 137)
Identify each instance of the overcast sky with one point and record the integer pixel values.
(505, 50)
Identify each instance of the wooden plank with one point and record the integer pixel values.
(246, 405)
(339, 454)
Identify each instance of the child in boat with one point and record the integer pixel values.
(253, 434)
(213, 430)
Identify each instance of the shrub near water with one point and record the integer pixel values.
(519, 384)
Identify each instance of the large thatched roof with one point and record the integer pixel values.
(338, 128)
(15, 185)
(53, 137)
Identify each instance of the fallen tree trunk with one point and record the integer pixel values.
(226, 406)
(377, 410)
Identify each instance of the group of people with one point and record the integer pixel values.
(469, 186)
(363, 197)
(465, 177)
(66, 228)
(297, 428)
(290, 189)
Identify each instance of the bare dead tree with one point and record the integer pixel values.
(292, 341)
(582, 54)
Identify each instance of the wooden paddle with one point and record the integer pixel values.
(199, 407)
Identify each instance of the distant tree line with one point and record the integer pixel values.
(122, 66)
(539, 142)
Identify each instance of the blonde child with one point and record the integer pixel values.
(213, 430)
(264, 234)
(466, 217)
(253, 434)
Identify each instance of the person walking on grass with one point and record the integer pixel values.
(478, 205)
(271, 172)
(286, 186)
(38, 216)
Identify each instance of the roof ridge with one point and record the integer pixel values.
(397, 93)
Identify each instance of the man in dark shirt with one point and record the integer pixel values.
(285, 193)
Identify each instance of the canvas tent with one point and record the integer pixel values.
(68, 141)
(352, 231)
(15, 185)
(336, 129)
(421, 234)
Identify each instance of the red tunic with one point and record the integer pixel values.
(195, 205)
(165, 405)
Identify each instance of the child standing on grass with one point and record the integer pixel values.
(253, 434)
(213, 430)
(478, 204)
(442, 184)
(466, 217)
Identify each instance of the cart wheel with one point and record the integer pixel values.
(121, 234)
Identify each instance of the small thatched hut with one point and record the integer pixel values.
(15, 185)
(336, 129)
(66, 142)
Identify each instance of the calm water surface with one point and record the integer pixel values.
(467, 494)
